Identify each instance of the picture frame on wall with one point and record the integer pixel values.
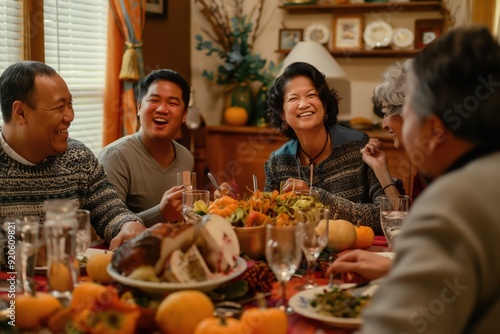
(156, 9)
(426, 31)
(348, 32)
(289, 37)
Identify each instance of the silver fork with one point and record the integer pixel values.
(332, 275)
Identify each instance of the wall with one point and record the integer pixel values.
(362, 73)
(167, 41)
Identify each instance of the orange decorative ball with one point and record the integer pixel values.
(235, 116)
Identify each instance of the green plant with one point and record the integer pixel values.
(239, 64)
(231, 40)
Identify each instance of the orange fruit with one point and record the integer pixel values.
(58, 322)
(235, 115)
(85, 294)
(60, 277)
(97, 267)
(264, 321)
(182, 311)
(33, 311)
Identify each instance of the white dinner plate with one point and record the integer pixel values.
(161, 287)
(317, 32)
(301, 304)
(378, 34)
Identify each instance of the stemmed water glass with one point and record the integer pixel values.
(283, 255)
(313, 240)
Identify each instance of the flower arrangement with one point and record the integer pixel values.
(231, 38)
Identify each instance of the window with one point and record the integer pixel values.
(75, 34)
(11, 28)
(75, 46)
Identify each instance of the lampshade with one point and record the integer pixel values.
(317, 55)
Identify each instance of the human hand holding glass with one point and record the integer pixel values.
(313, 240)
(283, 255)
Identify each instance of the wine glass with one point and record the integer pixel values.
(313, 240)
(283, 255)
(189, 198)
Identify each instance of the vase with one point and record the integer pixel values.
(240, 96)
(259, 109)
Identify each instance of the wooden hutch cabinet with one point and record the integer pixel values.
(240, 153)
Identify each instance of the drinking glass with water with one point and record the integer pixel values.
(393, 211)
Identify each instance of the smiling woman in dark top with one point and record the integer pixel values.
(304, 109)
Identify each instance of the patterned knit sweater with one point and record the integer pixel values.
(74, 174)
(345, 183)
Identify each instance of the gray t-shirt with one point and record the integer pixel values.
(139, 180)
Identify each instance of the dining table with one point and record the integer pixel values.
(296, 322)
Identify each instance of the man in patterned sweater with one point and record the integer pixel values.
(39, 162)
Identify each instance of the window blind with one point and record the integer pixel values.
(11, 28)
(75, 46)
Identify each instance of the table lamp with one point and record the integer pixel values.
(317, 55)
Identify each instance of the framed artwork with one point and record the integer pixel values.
(289, 37)
(317, 32)
(156, 8)
(347, 32)
(427, 31)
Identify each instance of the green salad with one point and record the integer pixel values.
(339, 303)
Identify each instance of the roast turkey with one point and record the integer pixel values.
(181, 252)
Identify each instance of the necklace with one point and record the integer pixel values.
(311, 160)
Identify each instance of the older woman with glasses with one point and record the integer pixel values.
(389, 97)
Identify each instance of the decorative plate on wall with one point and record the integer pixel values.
(317, 32)
(402, 38)
(378, 34)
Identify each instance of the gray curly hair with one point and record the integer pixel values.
(391, 91)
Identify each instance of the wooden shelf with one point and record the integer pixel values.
(382, 53)
(397, 7)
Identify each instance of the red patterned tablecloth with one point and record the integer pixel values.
(297, 323)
